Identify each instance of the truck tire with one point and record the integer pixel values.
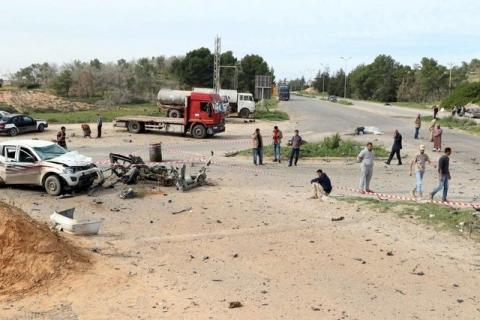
(244, 113)
(53, 185)
(13, 132)
(135, 127)
(199, 131)
(41, 127)
(173, 113)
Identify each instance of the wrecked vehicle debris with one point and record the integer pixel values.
(132, 169)
(64, 221)
(128, 193)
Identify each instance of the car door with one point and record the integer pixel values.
(28, 124)
(9, 154)
(22, 168)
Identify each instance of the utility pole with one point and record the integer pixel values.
(216, 64)
(450, 64)
(323, 76)
(345, 87)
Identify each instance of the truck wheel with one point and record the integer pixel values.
(41, 127)
(244, 113)
(13, 132)
(174, 113)
(53, 185)
(199, 131)
(134, 127)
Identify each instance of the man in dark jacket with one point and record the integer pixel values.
(396, 147)
(443, 175)
(321, 185)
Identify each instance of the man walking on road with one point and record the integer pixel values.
(295, 142)
(418, 124)
(99, 125)
(367, 159)
(321, 185)
(419, 161)
(257, 144)
(443, 175)
(276, 141)
(396, 147)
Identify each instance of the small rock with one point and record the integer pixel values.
(460, 300)
(315, 308)
(389, 253)
(235, 255)
(235, 304)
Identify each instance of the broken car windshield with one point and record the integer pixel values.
(49, 152)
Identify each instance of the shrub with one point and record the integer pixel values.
(462, 95)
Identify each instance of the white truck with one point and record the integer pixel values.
(239, 102)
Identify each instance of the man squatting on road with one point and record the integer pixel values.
(367, 159)
(321, 185)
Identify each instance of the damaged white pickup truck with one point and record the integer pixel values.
(46, 164)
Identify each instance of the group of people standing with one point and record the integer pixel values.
(257, 146)
(435, 130)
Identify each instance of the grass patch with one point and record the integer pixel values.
(333, 146)
(108, 114)
(438, 216)
(345, 102)
(464, 124)
(267, 110)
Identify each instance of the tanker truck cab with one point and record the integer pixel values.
(206, 115)
(246, 105)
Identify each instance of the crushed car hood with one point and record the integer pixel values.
(72, 159)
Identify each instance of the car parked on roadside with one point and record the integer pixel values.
(472, 112)
(4, 114)
(332, 98)
(46, 164)
(14, 124)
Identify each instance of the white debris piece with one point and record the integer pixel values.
(64, 221)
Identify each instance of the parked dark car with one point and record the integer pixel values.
(14, 124)
(332, 98)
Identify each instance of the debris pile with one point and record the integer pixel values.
(30, 254)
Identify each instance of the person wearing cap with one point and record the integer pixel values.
(420, 160)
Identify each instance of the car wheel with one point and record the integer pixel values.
(41, 127)
(53, 185)
(244, 113)
(13, 132)
(134, 127)
(199, 131)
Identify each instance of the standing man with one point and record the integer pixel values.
(99, 125)
(419, 161)
(443, 175)
(435, 111)
(321, 185)
(276, 141)
(295, 142)
(418, 124)
(367, 159)
(62, 138)
(396, 147)
(257, 144)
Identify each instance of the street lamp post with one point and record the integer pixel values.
(345, 86)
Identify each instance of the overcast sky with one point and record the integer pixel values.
(294, 36)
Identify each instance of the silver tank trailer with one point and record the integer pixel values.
(172, 97)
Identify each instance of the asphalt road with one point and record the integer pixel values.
(316, 117)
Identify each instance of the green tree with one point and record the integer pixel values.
(63, 82)
(250, 66)
(227, 75)
(196, 69)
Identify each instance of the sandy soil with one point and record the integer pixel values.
(251, 236)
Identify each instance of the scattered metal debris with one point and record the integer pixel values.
(128, 193)
(183, 210)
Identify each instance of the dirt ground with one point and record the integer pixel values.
(252, 236)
